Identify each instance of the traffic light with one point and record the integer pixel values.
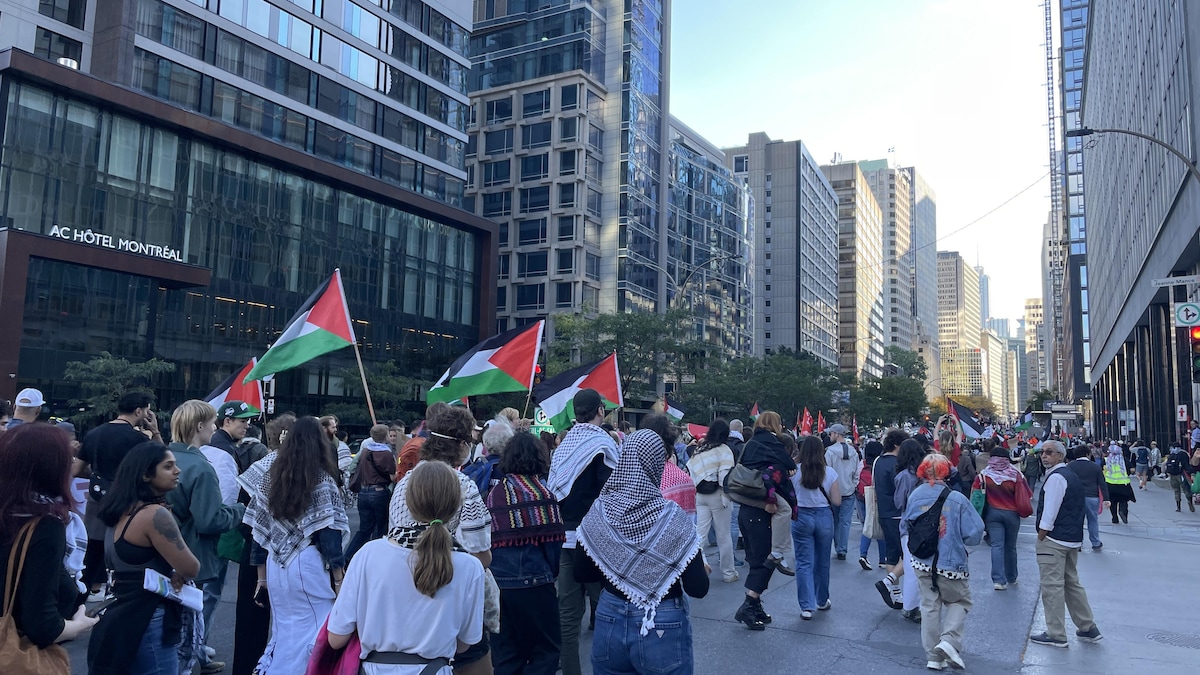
(537, 374)
(1194, 339)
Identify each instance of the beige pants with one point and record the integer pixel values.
(1060, 585)
(943, 611)
(781, 529)
(713, 511)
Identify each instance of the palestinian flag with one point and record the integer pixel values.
(820, 421)
(806, 423)
(1026, 421)
(854, 427)
(673, 409)
(321, 326)
(556, 396)
(966, 421)
(234, 388)
(499, 364)
(754, 412)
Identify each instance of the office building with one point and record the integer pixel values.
(860, 272)
(923, 259)
(894, 194)
(207, 166)
(998, 326)
(1016, 348)
(995, 350)
(1011, 390)
(985, 302)
(795, 227)
(964, 371)
(1143, 205)
(958, 302)
(1037, 361)
(570, 152)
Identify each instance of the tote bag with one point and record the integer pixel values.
(17, 653)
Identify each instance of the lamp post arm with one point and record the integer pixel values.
(1184, 158)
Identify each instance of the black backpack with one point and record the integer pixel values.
(1175, 464)
(924, 531)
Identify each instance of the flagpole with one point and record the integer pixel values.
(363, 374)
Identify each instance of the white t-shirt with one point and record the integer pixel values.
(378, 600)
(813, 499)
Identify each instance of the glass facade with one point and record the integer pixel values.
(269, 236)
(1074, 340)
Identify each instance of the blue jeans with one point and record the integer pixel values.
(842, 515)
(1092, 511)
(812, 536)
(153, 657)
(212, 597)
(1002, 526)
(619, 648)
(864, 542)
(372, 518)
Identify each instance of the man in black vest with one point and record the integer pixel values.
(1060, 515)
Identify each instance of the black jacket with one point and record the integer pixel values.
(1091, 477)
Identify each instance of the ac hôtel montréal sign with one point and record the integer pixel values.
(90, 238)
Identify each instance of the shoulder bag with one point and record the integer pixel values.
(979, 497)
(744, 481)
(17, 652)
(1024, 498)
(871, 527)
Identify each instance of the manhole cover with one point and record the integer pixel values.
(1176, 640)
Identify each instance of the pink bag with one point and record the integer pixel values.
(326, 660)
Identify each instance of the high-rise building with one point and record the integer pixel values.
(795, 247)
(985, 301)
(1142, 205)
(894, 196)
(995, 350)
(923, 264)
(199, 167)
(860, 271)
(1037, 373)
(710, 239)
(1011, 388)
(958, 302)
(1016, 348)
(998, 326)
(964, 371)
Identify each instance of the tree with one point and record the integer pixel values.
(981, 406)
(1038, 400)
(937, 407)
(912, 364)
(104, 379)
(394, 395)
(888, 400)
(786, 382)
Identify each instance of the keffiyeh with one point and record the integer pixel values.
(285, 539)
(577, 450)
(999, 469)
(471, 526)
(640, 541)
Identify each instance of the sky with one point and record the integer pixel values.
(956, 87)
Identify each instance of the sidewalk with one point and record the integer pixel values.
(1148, 625)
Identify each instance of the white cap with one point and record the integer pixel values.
(29, 398)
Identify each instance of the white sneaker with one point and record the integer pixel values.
(210, 652)
(999, 587)
(936, 665)
(952, 656)
(97, 596)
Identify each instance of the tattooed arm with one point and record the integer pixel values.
(167, 540)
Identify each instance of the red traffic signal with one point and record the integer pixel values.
(1195, 333)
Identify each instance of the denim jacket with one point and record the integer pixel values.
(525, 566)
(961, 524)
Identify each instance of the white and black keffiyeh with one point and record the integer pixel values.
(640, 541)
(577, 450)
(471, 526)
(285, 539)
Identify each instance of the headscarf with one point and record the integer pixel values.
(640, 541)
(1000, 469)
(286, 539)
(1116, 456)
(573, 456)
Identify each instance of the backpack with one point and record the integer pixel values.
(924, 531)
(480, 472)
(1175, 464)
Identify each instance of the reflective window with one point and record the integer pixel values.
(531, 264)
(569, 97)
(535, 135)
(531, 232)
(499, 110)
(497, 204)
(531, 296)
(563, 295)
(568, 129)
(495, 142)
(566, 195)
(566, 261)
(52, 46)
(566, 163)
(535, 199)
(496, 173)
(535, 167)
(536, 103)
(70, 12)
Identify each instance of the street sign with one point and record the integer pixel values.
(1187, 314)
(1176, 281)
(1181, 413)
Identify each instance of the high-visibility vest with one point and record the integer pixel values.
(1114, 474)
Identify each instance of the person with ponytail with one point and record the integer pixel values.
(415, 598)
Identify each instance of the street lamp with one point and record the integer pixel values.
(680, 285)
(1087, 131)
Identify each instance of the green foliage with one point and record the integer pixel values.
(911, 363)
(888, 400)
(1039, 398)
(103, 379)
(394, 395)
(980, 405)
(786, 382)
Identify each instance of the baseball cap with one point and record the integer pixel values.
(836, 429)
(587, 400)
(238, 410)
(29, 398)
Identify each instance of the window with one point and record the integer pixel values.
(569, 97)
(563, 295)
(532, 264)
(568, 128)
(503, 236)
(566, 163)
(566, 228)
(592, 266)
(69, 12)
(496, 142)
(504, 266)
(566, 194)
(595, 136)
(535, 167)
(499, 110)
(741, 163)
(566, 261)
(593, 202)
(592, 167)
(496, 173)
(535, 135)
(531, 232)
(501, 298)
(52, 46)
(531, 296)
(472, 145)
(536, 103)
(535, 199)
(497, 204)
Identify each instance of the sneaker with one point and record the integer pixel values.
(1092, 635)
(97, 596)
(897, 597)
(947, 650)
(806, 615)
(1125, 519)
(827, 605)
(747, 615)
(841, 556)
(887, 592)
(1097, 547)
(210, 652)
(913, 615)
(936, 665)
(999, 587)
(212, 667)
(1045, 639)
(730, 580)
(864, 563)
(780, 566)
(739, 563)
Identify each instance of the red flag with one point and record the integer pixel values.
(855, 429)
(820, 421)
(806, 425)
(233, 389)
(754, 412)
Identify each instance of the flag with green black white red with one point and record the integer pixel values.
(674, 409)
(322, 325)
(499, 364)
(1026, 421)
(235, 388)
(556, 396)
